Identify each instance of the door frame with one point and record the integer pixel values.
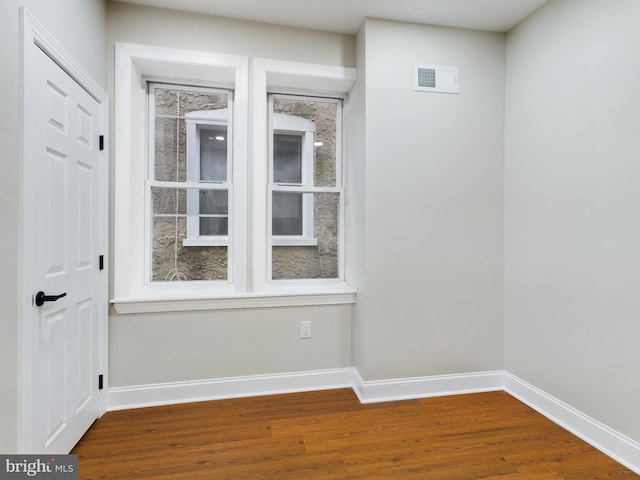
(33, 38)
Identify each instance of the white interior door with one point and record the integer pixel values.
(63, 223)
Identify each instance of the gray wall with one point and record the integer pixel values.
(572, 254)
(187, 346)
(156, 348)
(68, 21)
(430, 291)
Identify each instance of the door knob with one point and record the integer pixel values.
(41, 297)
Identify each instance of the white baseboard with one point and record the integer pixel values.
(421, 387)
(121, 398)
(612, 443)
(617, 446)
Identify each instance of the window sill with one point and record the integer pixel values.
(284, 241)
(338, 295)
(206, 242)
(280, 241)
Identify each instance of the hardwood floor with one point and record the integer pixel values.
(330, 435)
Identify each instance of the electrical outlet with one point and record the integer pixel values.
(305, 329)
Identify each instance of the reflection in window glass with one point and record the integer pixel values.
(213, 153)
(287, 159)
(287, 213)
(214, 212)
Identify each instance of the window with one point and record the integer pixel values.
(305, 187)
(208, 216)
(189, 165)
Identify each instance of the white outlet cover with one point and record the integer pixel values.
(305, 329)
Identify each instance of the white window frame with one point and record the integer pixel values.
(307, 80)
(249, 286)
(292, 125)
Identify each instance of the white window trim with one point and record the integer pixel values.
(275, 76)
(249, 286)
(135, 65)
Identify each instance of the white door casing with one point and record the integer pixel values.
(64, 218)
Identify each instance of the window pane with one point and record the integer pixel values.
(171, 106)
(166, 102)
(287, 159)
(177, 102)
(214, 212)
(169, 162)
(170, 259)
(317, 261)
(213, 153)
(324, 115)
(214, 225)
(194, 101)
(287, 213)
(169, 201)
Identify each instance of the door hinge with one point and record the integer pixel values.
(101, 262)
(100, 382)
(101, 142)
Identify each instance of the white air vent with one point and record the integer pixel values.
(435, 78)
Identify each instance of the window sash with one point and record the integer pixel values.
(194, 123)
(282, 124)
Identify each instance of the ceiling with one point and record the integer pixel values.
(345, 16)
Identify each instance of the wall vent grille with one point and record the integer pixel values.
(436, 78)
(426, 77)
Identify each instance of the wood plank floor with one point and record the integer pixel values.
(330, 435)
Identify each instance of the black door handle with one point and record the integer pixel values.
(41, 298)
